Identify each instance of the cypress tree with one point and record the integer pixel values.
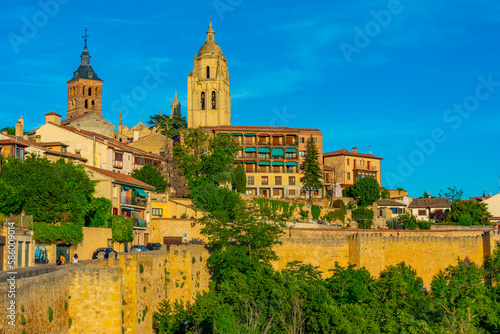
(240, 179)
(311, 169)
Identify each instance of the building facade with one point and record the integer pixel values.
(129, 197)
(346, 168)
(271, 157)
(209, 97)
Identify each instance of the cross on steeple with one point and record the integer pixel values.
(85, 36)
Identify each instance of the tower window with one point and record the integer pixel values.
(202, 100)
(86, 104)
(93, 105)
(83, 90)
(90, 91)
(213, 100)
(208, 72)
(96, 91)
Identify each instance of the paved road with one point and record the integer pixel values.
(36, 270)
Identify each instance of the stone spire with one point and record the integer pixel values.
(176, 107)
(210, 34)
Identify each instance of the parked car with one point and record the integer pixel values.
(153, 246)
(106, 251)
(138, 248)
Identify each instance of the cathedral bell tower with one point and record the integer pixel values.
(85, 88)
(209, 97)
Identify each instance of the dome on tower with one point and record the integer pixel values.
(210, 47)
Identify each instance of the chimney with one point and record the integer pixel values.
(106, 142)
(25, 137)
(19, 128)
(354, 149)
(38, 138)
(53, 118)
(136, 135)
(78, 128)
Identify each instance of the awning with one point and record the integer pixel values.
(249, 134)
(264, 163)
(291, 150)
(128, 208)
(250, 162)
(291, 163)
(237, 162)
(278, 152)
(264, 150)
(140, 221)
(250, 149)
(141, 192)
(277, 163)
(236, 134)
(125, 188)
(221, 133)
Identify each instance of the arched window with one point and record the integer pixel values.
(86, 104)
(90, 91)
(83, 90)
(213, 100)
(208, 72)
(96, 91)
(202, 100)
(92, 106)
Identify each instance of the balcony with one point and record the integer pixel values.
(117, 164)
(134, 201)
(139, 223)
(365, 167)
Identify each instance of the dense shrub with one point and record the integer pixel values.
(363, 216)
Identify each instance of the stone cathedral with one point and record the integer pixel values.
(209, 97)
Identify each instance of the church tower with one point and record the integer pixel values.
(85, 88)
(176, 107)
(209, 97)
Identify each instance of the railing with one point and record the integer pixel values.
(117, 164)
(134, 201)
(285, 171)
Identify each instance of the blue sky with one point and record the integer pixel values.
(416, 81)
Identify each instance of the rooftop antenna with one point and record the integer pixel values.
(57, 109)
(369, 149)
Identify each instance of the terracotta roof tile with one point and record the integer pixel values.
(429, 203)
(352, 154)
(120, 177)
(389, 202)
(232, 128)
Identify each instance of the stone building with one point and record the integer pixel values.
(209, 97)
(351, 167)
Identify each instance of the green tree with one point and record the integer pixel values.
(385, 194)
(460, 298)
(99, 214)
(364, 217)
(240, 179)
(241, 244)
(311, 168)
(168, 126)
(204, 157)
(10, 130)
(152, 176)
(453, 194)
(122, 229)
(221, 202)
(475, 210)
(366, 191)
(57, 192)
